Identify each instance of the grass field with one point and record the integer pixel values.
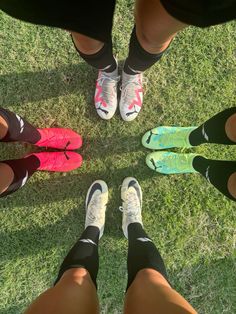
(43, 79)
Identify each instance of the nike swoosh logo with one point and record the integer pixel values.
(94, 188)
(133, 184)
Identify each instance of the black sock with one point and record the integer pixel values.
(101, 60)
(142, 253)
(217, 172)
(84, 254)
(23, 170)
(19, 129)
(139, 59)
(213, 130)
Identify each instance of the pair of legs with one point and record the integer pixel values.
(154, 30)
(219, 129)
(148, 290)
(15, 173)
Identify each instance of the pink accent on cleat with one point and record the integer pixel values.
(58, 161)
(98, 97)
(59, 138)
(138, 100)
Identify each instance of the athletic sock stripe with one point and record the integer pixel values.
(89, 241)
(144, 239)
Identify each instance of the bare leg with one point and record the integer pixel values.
(232, 185)
(150, 293)
(230, 128)
(3, 127)
(86, 44)
(75, 293)
(7, 176)
(155, 27)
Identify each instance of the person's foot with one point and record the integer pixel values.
(59, 138)
(170, 163)
(163, 137)
(131, 195)
(105, 97)
(131, 98)
(58, 161)
(96, 204)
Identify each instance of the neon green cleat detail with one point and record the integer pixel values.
(170, 163)
(163, 137)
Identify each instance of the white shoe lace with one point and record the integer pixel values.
(108, 84)
(95, 210)
(131, 206)
(129, 87)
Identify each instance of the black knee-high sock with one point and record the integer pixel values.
(84, 254)
(139, 59)
(213, 130)
(23, 170)
(18, 128)
(142, 253)
(217, 172)
(101, 60)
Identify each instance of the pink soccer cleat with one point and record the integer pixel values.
(59, 138)
(58, 161)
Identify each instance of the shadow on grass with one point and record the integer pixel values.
(20, 88)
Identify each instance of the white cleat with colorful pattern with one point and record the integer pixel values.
(105, 98)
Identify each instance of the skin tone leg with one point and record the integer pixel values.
(150, 293)
(75, 293)
(232, 184)
(3, 127)
(86, 44)
(7, 175)
(155, 28)
(230, 128)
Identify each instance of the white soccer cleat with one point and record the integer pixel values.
(131, 195)
(105, 98)
(96, 204)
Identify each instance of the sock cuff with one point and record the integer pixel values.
(139, 59)
(6, 115)
(23, 170)
(134, 42)
(102, 59)
(18, 128)
(217, 172)
(96, 54)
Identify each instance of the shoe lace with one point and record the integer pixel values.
(95, 206)
(130, 86)
(132, 205)
(180, 161)
(108, 84)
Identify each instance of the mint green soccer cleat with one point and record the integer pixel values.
(170, 163)
(163, 137)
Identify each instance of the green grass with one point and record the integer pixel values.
(43, 79)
